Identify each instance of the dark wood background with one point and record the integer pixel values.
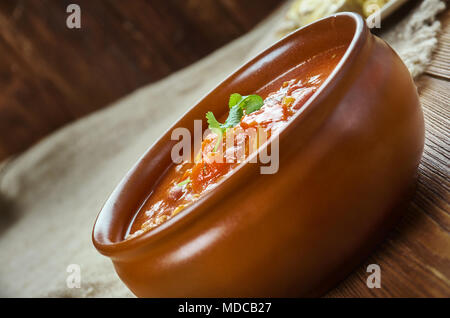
(51, 75)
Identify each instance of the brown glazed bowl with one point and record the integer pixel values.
(348, 162)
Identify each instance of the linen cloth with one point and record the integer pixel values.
(51, 194)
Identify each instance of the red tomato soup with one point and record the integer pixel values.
(250, 119)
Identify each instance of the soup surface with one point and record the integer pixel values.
(251, 121)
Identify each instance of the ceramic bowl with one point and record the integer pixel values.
(348, 162)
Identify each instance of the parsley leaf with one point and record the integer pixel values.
(216, 127)
(234, 99)
(251, 103)
(212, 121)
(219, 132)
(184, 182)
(238, 104)
(234, 117)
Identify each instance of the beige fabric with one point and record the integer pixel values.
(415, 37)
(51, 194)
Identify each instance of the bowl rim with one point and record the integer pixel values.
(101, 230)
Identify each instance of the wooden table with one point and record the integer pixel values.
(415, 258)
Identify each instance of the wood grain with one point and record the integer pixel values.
(51, 75)
(441, 60)
(415, 258)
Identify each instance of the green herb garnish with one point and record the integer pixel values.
(249, 104)
(184, 182)
(238, 105)
(234, 99)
